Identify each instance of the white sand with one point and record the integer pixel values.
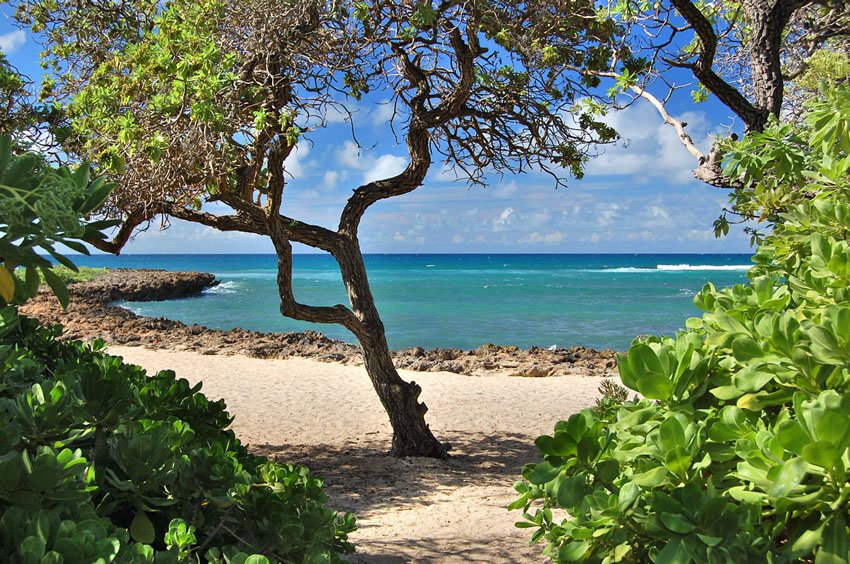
(408, 510)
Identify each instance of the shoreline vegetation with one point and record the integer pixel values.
(91, 314)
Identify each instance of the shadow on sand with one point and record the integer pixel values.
(366, 478)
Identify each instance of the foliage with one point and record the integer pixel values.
(788, 163)
(82, 274)
(12, 94)
(40, 207)
(102, 462)
(610, 392)
(739, 448)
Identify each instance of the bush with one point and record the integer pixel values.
(98, 460)
(82, 274)
(740, 448)
(42, 207)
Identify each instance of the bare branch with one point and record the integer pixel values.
(289, 306)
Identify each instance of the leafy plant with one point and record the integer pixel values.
(40, 207)
(739, 448)
(82, 274)
(100, 461)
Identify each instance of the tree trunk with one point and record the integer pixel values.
(411, 435)
(766, 27)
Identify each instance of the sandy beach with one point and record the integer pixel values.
(327, 416)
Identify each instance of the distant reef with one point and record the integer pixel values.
(91, 315)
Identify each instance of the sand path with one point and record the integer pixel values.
(408, 510)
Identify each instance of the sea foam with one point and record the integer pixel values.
(675, 268)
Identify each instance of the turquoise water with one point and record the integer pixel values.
(459, 300)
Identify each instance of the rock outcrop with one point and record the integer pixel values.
(91, 314)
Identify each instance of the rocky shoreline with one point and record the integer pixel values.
(91, 315)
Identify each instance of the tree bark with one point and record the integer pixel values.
(411, 435)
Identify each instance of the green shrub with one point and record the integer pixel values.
(41, 207)
(82, 274)
(98, 460)
(739, 449)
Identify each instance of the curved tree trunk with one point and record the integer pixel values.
(411, 435)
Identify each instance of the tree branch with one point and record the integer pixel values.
(418, 134)
(703, 68)
(289, 306)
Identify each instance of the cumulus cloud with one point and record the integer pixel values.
(330, 179)
(607, 214)
(649, 149)
(504, 220)
(659, 212)
(12, 41)
(373, 168)
(385, 166)
(382, 113)
(295, 163)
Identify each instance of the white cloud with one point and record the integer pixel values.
(607, 215)
(548, 238)
(658, 212)
(330, 179)
(374, 168)
(505, 190)
(295, 162)
(349, 155)
(385, 166)
(383, 113)
(336, 114)
(12, 41)
(505, 218)
(457, 239)
(649, 149)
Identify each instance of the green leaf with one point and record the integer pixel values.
(821, 453)
(628, 495)
(677, 523)
(651, 478)
(569, 491)
(573, 551)
(671, 434)
(792, 436)
(141, 528)
(542, 473)
(655, 386)
(562, 444)
(673, 553)
(745, 349)
(678, 461)
(790, 475)
(57, 286)
(835, 547)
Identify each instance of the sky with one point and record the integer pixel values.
(638, 196)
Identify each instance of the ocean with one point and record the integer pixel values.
(462, 301)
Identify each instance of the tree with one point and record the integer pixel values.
(194, 103)
(747, 53)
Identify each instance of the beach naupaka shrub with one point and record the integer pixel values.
(42, 206)
(102, 462)
(738, 446)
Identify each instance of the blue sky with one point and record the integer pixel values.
(637, 197)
